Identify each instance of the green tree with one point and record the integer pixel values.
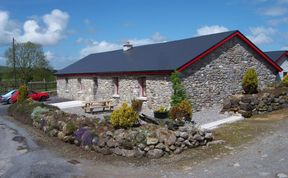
(250, 81)
(30, 61)
(179, 93)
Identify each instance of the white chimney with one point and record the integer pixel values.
(127, 46)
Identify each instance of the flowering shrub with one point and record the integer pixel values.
(125, 116)
(181, 111)
(37, 113)
(284, 81)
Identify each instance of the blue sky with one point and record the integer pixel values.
(69, 30)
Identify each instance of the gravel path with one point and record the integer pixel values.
(209, 115)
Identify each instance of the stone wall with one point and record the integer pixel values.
(158, 89)
(219, 74)
(249, 105)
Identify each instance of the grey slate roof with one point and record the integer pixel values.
(167, 56)
(274, 55)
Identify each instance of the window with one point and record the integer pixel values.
(116, 85)
(79, 84)
(142, 84)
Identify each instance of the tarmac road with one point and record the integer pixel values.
(21, 157)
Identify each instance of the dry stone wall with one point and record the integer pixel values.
(249, 105)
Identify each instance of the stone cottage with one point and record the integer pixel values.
(211, 67)
(281, 58)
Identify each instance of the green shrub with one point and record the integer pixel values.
(181, 111)
(179, 93)
(162, 109)
(23, 93)
(136, 105)
(250, 81)
(70, 128)
(37, 113)
(125, 116)
(284, 81)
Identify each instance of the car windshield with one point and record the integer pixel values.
(9, 93)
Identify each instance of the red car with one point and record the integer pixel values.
(37, 96)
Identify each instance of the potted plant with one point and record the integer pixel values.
(161, 113)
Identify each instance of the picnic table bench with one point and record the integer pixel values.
(91, 105)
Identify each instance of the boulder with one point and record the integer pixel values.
(152, 141)
(198, 137)
(160, 146)
(68, 139)
(53, 133)
(61, 135)
(155, 153)
(178, 151)
(111, 143)
(184, 135)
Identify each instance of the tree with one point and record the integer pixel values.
(250, 81)
(30, 61)
(179, 93)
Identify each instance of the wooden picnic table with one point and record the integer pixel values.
(91, 105)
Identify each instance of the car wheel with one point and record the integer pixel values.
(9, 101)
(43, 98)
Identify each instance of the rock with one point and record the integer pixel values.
(178, 151)
(245, 114)
(208, 136)
(102, 141)
(245, 106)
(177, 143)
(140, 137)
(53, 133)
(160, 146)
(198, 137)
(170, 140)
(216, 142)
(109, 133)
(128, 153)
(281, 175)
(117, 151)
(95, 140)
(76, 142)
(141, 146)
(61, 135)
(104, 151)
(152, 141)
(226, 104)
(155, 153)
(184, 135)
(146, 148)
(177, 133)
(68, 139)
(112, 143)
(180, 139)
(183, 129)
(172, 147)
(187, 143)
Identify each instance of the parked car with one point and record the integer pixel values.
(37, 96)
(6, 98)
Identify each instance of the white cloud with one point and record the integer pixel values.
(8, 28)
(206, 30)
(56, 23)
(261, 35)
(97, 47)
(274, 11)
(284, 48)
(49, 55)
(275, 22)
(103, 46)
(50, 33)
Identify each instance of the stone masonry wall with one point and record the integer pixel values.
(158, 89)
(219, 74)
